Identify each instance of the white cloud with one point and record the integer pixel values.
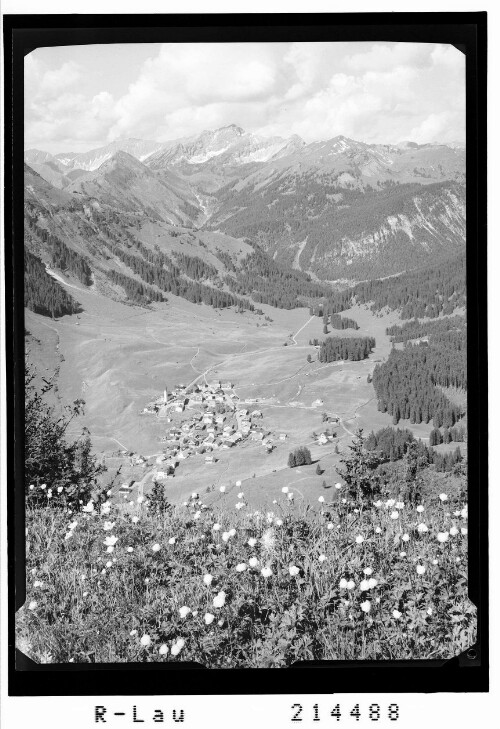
(378, 92)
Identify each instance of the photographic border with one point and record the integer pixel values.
(467, 32)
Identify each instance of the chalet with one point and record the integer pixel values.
(256, 413)
(283, 436)
(323, 438)
(209, 459)
(227, 385)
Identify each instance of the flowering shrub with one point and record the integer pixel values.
(249, 589)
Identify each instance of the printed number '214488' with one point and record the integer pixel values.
(374, 712)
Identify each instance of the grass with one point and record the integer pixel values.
(303, 593)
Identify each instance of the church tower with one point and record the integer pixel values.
(165, 394)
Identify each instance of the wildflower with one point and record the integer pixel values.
(197, 515)
(338, 485)
(453, 531)
(364, 585)
(110, 541)
(434, 562)
(207, 579)
(343, 583)
(241, 567)
(109, 564)
(429, 611)
(389, 503)
(241, 495)
(420, 508)
(378, 504)
(108, 525)
(291, 496)
(219, 599)
(463, 513)
(73, 525)
(68, 535)
(133, 632)
(344, 501)
(146, 580)
(368, 571)
(209, 618)
(105, 508)
(372, 582)
(155, 547)
(109, 549)
(252, 542)
(442, 537)
(163, 650)
(284, 490)
(239, 505)
(177, 646)
(103, 572)
(329, 525)
(400, 505)
(232, 532)
(145, 640)
(194, 495)
(360, 539)
(32, 487)
(365, 606)
(293, 570)
(33, 605)
(85, 594)
(268, 539)
(351, 585)
(222, 489)
(420, 569)
(396, 614)
(171, 540)
(443, 497)
(405, 537)
(274, 501)
(422, 528)
(43, 486)
(458, 559)
(378, 530)
(37, 583)
(402, 554)
(135, 519)
(89, 508)
(394, 514)
(321, 499)
(253, 562)
(226, 536)
(463, 530)
(266, 572)
(130, 549)
(322, 557)
(356, 511)
(184, 611)
(216, 527)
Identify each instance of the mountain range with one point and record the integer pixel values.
(334, 210)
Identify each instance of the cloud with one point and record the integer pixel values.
(382, 92)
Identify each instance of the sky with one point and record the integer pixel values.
(82, 97)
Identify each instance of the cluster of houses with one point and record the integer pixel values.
(217, 419)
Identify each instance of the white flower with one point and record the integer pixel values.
(405, 537)
(322, 557)
(420, 569)
(291, 496)
(110, 541)
(171, 540)
(402, 554)
(43, 486)
(216, 527)
(37, 583)
(293, 570)
(135, 519)
(329, 525)
(89, 507)
(368, 571)
(163, 650)
(435, 561)
(343, 583)
(108, 525)
(266, 572)
(394, 514)
(177, 646)
(130, 549)
(103, 572)
(109, 549)
(238, 483)
(420, 508)
(241, 567)
(378, 504)
(378, 530)
(184, 611)
(338, 485)
(85, 594)
(73, 525)
(209, 618)
(400, 505)
(59, 489)
(155, 547)
(390, 503)
(133, 632)
(109, 564)
(321, 499)
(253, 562)
(364, 585)
(351, 585)
(422, 528)
(443, 497)
(222, 489)
(453, 531)
(252, 542)
(226, 536)
(344, 501)
(68, 535)
(197, 515)
(463, 531)
(146, 580)
(279, 522)
(232, 532)
(396, 614)
(365, 606)
(145, 640)
(140, 499)
(239, 505)
(360, 539)
(219, 599)
(442, 536)
(32, 487)
(241, 495)
(194, 495)
(284, 490)
(463, 513)
(207, 579)
(33, 605)
(429, 611)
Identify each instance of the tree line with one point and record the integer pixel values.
(352, 348)
(42, 294)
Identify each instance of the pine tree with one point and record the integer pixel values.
(359, 470)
